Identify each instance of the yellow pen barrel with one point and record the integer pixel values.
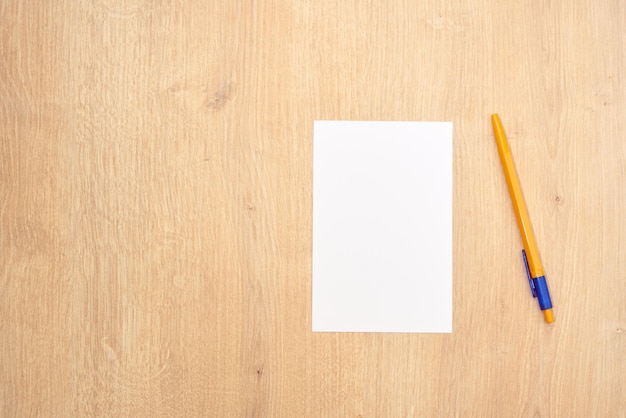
(519, 206)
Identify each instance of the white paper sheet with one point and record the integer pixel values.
(382, 226)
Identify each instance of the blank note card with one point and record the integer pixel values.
(382, 226)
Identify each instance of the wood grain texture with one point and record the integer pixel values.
(155, 206)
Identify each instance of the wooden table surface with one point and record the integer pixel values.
(156, 201)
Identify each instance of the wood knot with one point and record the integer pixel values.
(221, 96)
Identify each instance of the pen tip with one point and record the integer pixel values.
(548, 315)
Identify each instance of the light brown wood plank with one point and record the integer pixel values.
(156, 200)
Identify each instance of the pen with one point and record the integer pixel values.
(530, 254)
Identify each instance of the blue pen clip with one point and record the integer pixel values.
(533, 290)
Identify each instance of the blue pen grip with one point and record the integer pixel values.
(543, 295)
